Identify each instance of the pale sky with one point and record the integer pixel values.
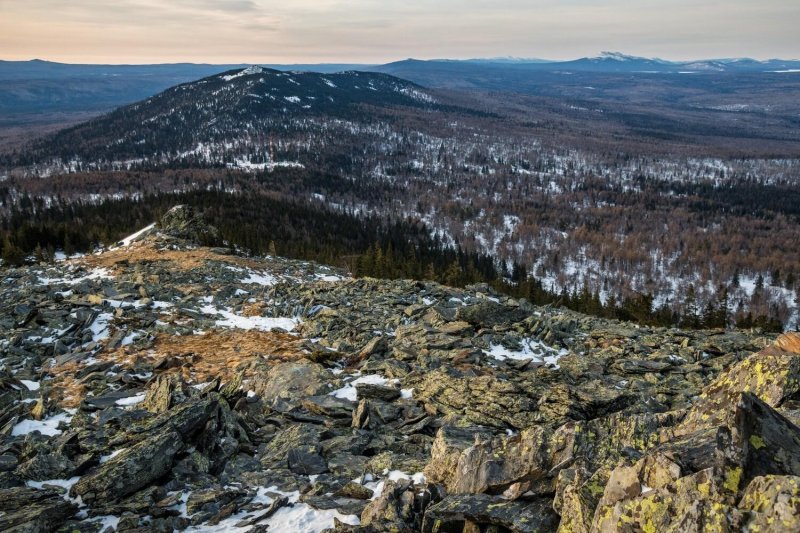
(375, 31)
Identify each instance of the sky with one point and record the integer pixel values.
(379, 31)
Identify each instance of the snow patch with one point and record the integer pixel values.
(529, 349)
(348, 392)
(262, 323)
(246, 72)
(48, 426)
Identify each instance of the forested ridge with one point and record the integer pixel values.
(366, 245)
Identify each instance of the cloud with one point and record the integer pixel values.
(380, 30)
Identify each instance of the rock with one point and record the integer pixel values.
(301, 461)
(183, 222)
(447, 448)
(164, 393)
(481, 400)
(292, 382)
(494, 466)
(770, 443)
(202, 500)
(131, 470)
(46, 466)
(774, 502)
(488, 314)
(482, 510)
(24, 509)
(329, 406)
(377, 392)
(398, 508)
(772, 375)
(297, 448)
(354, 490)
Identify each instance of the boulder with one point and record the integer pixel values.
(28, 510)
(477, 511)
(293, 382)
(131, 470)
(773, 374)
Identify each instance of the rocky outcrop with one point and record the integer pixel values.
(237, 391)
(183, 222)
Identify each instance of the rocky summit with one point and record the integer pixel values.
(161, 385)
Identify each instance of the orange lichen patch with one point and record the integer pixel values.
(143, 252)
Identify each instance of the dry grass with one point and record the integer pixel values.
(197, 358)
(223, 354)
(148, 252)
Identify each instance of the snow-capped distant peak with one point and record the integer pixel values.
(620, 57)
(255, 69)
(615, 56)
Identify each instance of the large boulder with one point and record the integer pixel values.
(492, 465)
(480, 400)
(293, 382)
(476, 512)
(773, 375)
(773, 502)
(663, 491)
(131, 470)
(183, 222)
(23, 509)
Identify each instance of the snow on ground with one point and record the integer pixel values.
(64, 483)
(100, 326)
(376, 486)
(30, 385)
(295, 517)
(132, 237)
(262, 323)
(246, 72)
(105, 522)
(131, 400)
(61, 256)
(106, 458)
(530, 349)
(328, 277)
(260, 278)
(348, 392)
(48, 426)
(247, 165)
(97, 273)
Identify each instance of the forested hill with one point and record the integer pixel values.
(191, 121)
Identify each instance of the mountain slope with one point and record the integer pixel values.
(166, 386)
(228, 108)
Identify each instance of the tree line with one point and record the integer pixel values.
(366, 245)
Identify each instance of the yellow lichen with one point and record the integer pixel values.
(732, 479)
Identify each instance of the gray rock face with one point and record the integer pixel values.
(293, 382)
(474, 512)
(131, 470)
(184, 223)
(26, 510)
(170, 385)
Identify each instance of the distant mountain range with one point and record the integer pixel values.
(37, 90)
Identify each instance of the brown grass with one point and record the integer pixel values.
(148, 252)
(197, 358)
